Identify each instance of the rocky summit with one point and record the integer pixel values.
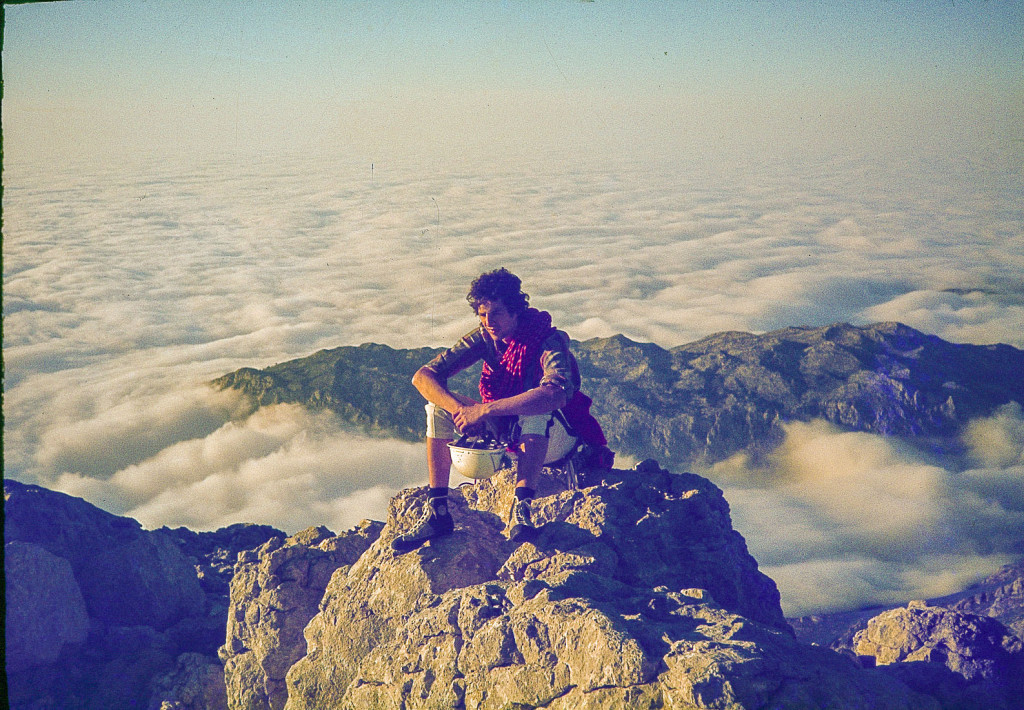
(637, 594)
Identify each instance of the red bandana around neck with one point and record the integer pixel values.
(506, 379)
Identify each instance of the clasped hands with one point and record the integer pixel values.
(470, 416)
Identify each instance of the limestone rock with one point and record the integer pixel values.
(979, 649)
(636, 594)
(128, 576)
(364, 604)
(553, 645)
(45, 608)
(275, 591)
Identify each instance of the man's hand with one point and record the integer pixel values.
(470, 417)
(434, 390)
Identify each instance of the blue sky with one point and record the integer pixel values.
(95, 76)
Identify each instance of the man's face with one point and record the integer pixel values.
(496, 319)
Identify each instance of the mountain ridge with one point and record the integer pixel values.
(700, 402)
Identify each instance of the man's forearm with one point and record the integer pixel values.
(539, 400)
(433, 390)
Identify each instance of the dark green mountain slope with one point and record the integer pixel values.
(701, 401)
(370, 386)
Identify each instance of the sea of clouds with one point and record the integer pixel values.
(128, 287)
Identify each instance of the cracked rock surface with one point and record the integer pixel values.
(636, 594)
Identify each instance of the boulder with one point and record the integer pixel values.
(1000, 596)
(275, 591)
(128, 576)
(45, 608)
(975, 647)
(978, 649)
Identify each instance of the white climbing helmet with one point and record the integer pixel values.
(478, 459)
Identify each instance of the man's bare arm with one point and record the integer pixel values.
(539, 400)
(433, 390)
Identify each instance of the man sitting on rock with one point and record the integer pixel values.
(528, 373)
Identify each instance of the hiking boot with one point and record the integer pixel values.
(520, 525)
(430, 527)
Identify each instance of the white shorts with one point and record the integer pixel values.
(441, 426)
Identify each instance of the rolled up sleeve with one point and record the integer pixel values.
(457, 358)
(557, 365)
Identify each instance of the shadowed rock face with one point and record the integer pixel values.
(104, 614)
(975, 647)
(128, 576)
(703, 401)
(45, 608)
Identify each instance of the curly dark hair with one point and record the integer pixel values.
(499, 285)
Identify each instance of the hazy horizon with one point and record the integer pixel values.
(190, 188)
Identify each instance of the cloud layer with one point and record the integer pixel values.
(280, 465)
(842, 520)
(127, 287)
